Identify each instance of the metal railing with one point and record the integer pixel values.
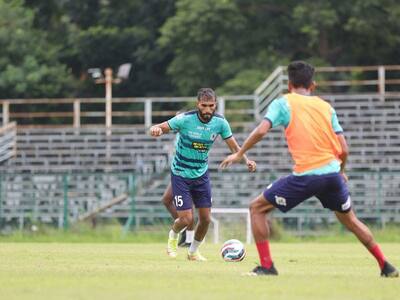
(240, 110)
(374, 80)
(271, 88)
(140, 112)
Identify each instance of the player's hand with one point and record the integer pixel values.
(230, 159)
(251, 165)
(346, 179)
(155, 131)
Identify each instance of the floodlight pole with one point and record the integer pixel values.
(108, 81)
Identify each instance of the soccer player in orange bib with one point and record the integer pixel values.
(319, 150)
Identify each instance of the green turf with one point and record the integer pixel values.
(143, 271)
(114, 233)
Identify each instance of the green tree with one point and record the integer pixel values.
(176, 46)
(109, 33)
(371, 32)
(318, 21)
(29, 62)
(226, 44)
(202, 35)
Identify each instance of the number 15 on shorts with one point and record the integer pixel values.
(178, 201)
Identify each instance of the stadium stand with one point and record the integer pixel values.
(8, 142)
(60, 173)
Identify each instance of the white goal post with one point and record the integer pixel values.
(214, 220)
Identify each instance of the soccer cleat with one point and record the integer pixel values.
(196, 256)
(172, 247)
(182, 240)
(262, 271)
(389, 271)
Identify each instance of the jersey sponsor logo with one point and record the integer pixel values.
(347, 204)
(203, 128)
(199, 146)
(193, 134)
(280, 200)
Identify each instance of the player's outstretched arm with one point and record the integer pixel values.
(159, 129)
(256, 135)
(234, 147)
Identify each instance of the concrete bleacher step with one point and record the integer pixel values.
(371, 127)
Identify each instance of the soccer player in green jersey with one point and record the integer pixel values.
(198, 129)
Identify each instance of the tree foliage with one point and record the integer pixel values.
(203, 36)
(29, 63)
(177, 46)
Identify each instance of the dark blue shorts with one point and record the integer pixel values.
(188, 191)
(330, 189)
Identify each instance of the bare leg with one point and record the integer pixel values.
(259, 207)
(362, 232)
(185, 217)
(203, 223)
(200, 233)
(168, 201)
(188, 235)
(191, 225)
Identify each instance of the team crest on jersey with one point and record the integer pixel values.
(280, 200)
(213, 136)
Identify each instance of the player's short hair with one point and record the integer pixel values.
(206, 94)
(300, 74)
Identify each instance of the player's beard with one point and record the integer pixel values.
(206, 117)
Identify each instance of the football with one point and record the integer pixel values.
(233, 250)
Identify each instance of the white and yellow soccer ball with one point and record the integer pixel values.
(233, 250)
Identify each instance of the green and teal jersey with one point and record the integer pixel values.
(194, 141)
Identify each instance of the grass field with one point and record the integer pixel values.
(143, 271)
